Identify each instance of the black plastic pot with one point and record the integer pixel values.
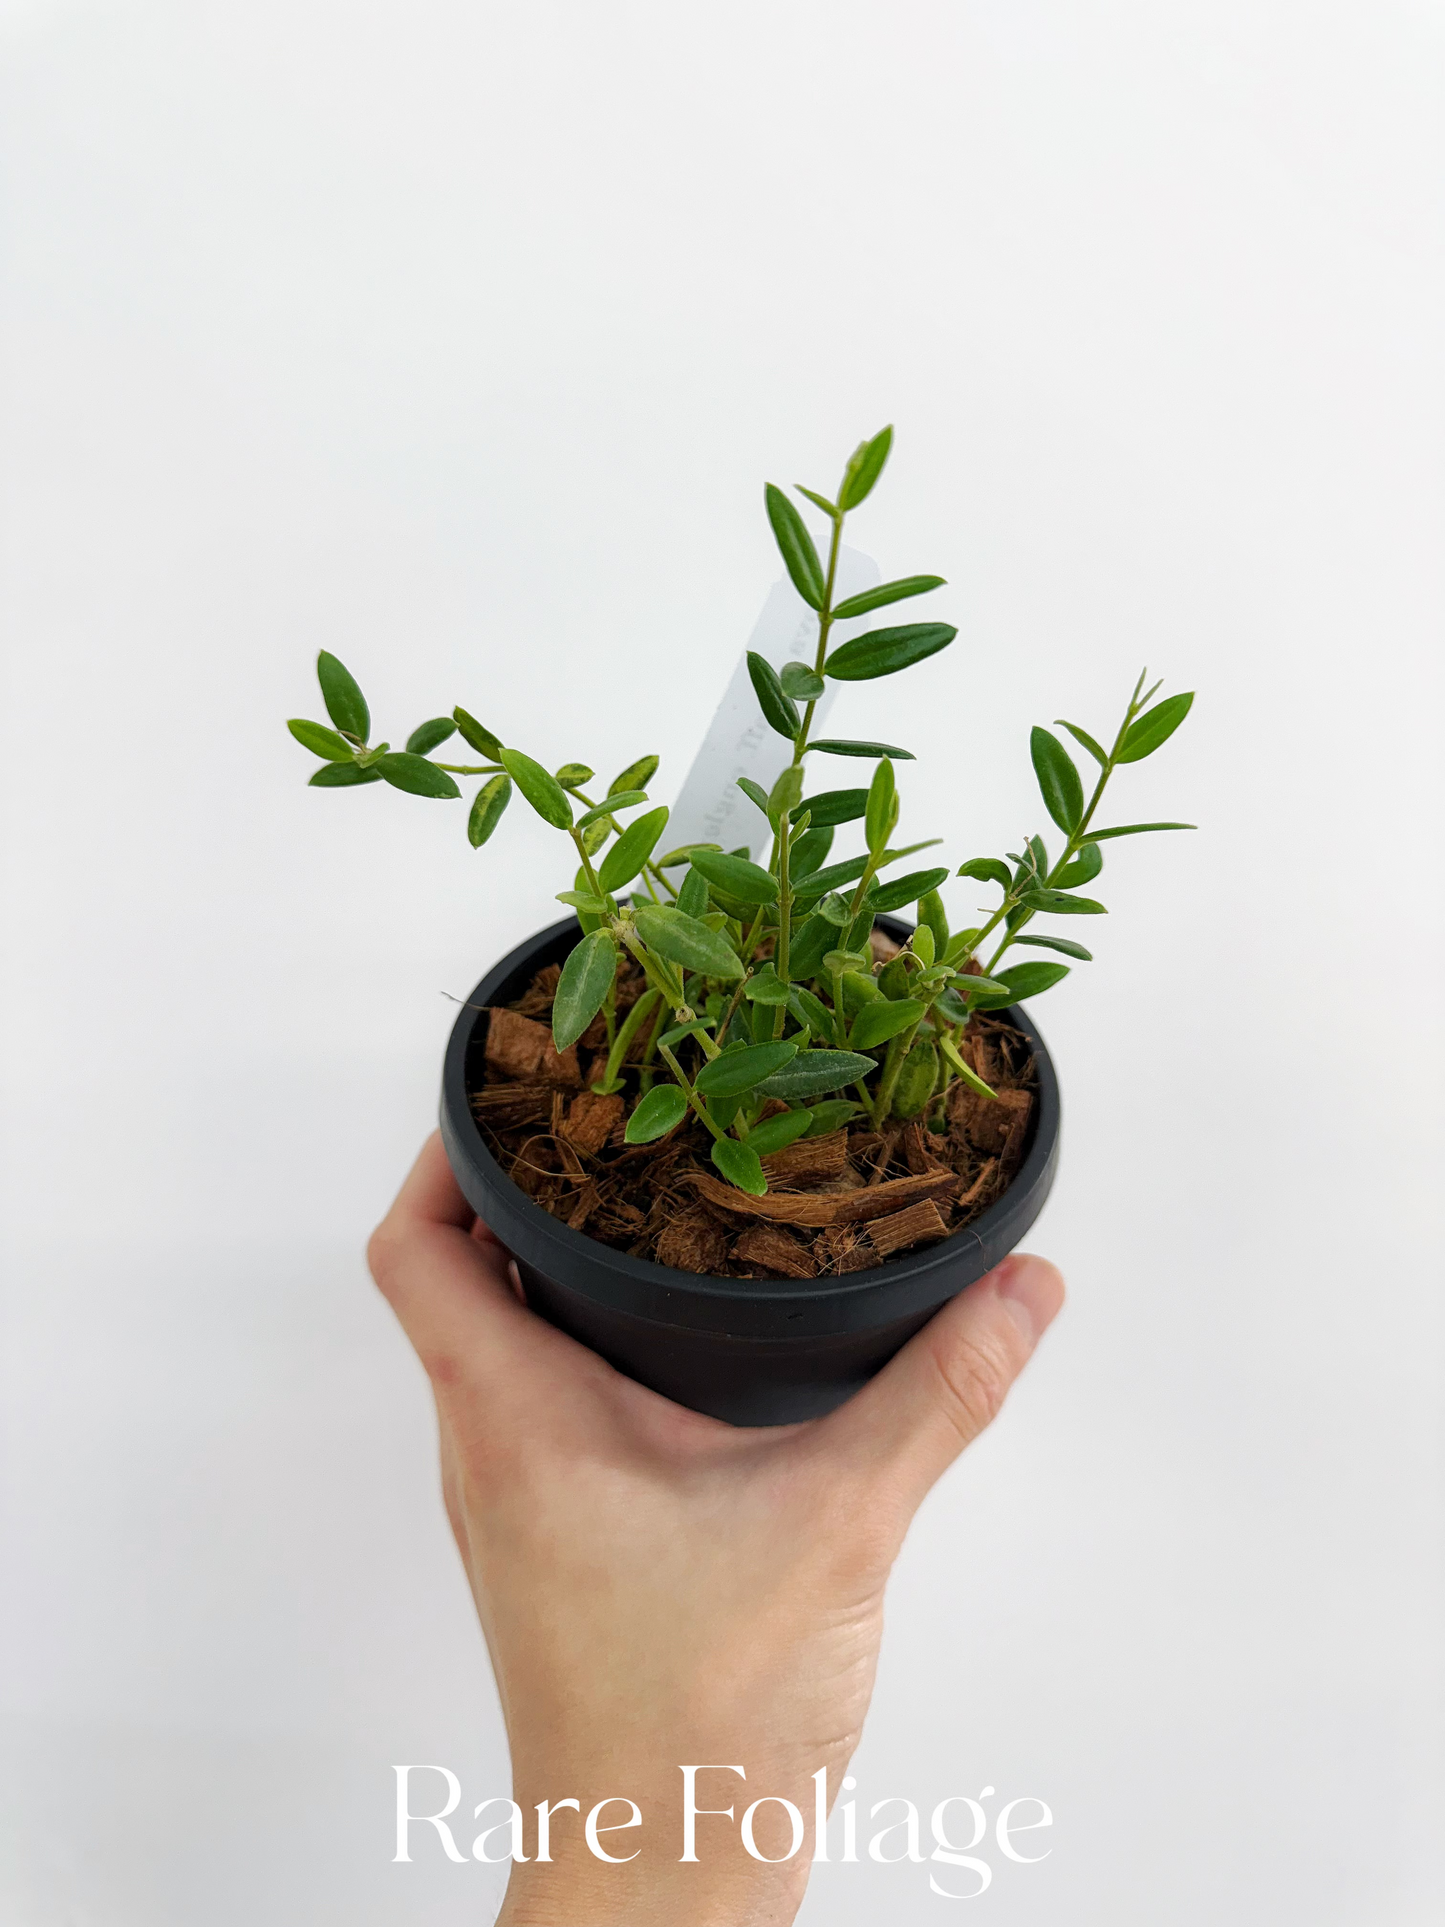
(752, 1351)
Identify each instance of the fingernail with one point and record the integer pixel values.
(1031, 1291)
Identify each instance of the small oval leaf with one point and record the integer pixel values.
(777, 707)
(839, 746)
(748, 882)
(416, 775)
(879, 1020)
(658, 1111)
(582, 989)
(540, 787)
(740, 1070)
(342, 776)
(629, 854)
(795, 545)
(883, 652)
(739, 1166)
(340, 691)
(321, 741)
(886, 592)
(487, 807)
(429, 736)
(1147, 732)
(1059, 781)
(687, 941)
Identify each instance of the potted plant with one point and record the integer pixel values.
(742, 1131)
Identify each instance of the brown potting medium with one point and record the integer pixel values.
(848, 1201)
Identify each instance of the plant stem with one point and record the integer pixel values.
(631, 1024)
(785, 916)
(692, 1097)
(1072, 847)
(471, 769)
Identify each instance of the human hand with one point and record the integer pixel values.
(658, 1588)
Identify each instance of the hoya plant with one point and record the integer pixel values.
(765, 1012)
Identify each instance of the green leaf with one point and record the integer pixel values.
(818, 501)
(886, 592)
(837, 909)
(1147, 732)
(959, 945)
(481, 739)
(582, 989)
(893, 896)
(877, 1022)
(809, 852)
(865, 465)
(783, 798)
(766, 987)
(966, 1071)
(583, 901)
(801, 683)
(831, 1115)
(345, 704)
(1099, 754)
(1063, 791)
(923, 943)
(810, 1010)
(800, 558)
(628, 855)
(811, 942)
(416, 775)
(321, 741)
(1025, 980)
(571, 775)
(683, 854)
(978, 987)
(881, 815)
(932, 912)
(777, 707)
(342, 776)
(812, 1072)
(695, 1027)
(987, 869)
(1133, 829)
(658, 1111)
(692, 896)
(687, 941)
(746, 881)
(636, 776)
(836, 746)
(833, 807)
(776, 1132)
(754, 792)
(540, 787)
(596, 834)
(834, 877)
(487, 807)
(1063, 945)
(883, 652)
(743, 1068)
(624, 800)
(739, 1166)
(1084, 868)
(429, 736)
(1060, 903)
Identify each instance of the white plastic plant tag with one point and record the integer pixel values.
(710, 807)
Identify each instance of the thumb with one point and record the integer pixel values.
(950, 1380)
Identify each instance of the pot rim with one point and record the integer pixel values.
(917, 1268)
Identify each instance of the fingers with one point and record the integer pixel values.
(447, 1284)
(950, 1380)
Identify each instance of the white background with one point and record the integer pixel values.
(460, 339)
